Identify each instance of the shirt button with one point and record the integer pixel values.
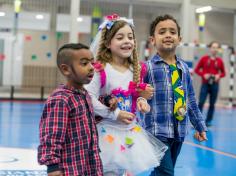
(170, 98)
(171, 124)
(169, 85)
(170, 112)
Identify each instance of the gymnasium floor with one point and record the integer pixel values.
(19, 140)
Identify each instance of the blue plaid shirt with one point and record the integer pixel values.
(160, 120)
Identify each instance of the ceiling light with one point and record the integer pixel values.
(203, 9)
(2, 14)
(79, 19)
(39, 17)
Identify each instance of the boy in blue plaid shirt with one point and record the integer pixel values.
(173, 103)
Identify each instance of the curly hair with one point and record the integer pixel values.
(163, 18)
(104, 54)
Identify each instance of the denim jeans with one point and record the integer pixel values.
(212, 90)
(167, 165)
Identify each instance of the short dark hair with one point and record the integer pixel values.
(64, 54)
(163, 18)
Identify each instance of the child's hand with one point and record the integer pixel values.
(142, 105)
(55, 173)
(113, 103)
(200, 136)
(126, 117)
(147, 93)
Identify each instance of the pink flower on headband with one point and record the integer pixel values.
(112, 17)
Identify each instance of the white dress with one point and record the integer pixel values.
(127, 147)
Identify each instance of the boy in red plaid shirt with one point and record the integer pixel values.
(68, 135)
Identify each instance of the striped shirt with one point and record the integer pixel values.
(160, 120)
(68, 135)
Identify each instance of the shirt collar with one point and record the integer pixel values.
(73, 89)
(158, 58)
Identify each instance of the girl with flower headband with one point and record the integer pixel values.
(124, 144)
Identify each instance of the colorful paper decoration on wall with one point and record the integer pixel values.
(34, 57)
(17, 6)
(59, 35)
(44, 37)
(2, 57)
(96, 21)
(201, 21)
(28, 38)
(49, 55)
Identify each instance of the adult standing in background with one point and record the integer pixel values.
(211, 68)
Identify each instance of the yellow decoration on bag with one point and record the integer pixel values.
(137, 129)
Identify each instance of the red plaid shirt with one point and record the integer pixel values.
(68, 135)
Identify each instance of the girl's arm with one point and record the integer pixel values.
(147, 93)
(94, 91)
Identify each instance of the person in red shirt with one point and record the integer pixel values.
(68, 134)
(211, 69)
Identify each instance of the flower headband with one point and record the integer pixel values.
(111, 19)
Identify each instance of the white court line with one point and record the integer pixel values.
(211, 149)
(221, 129)
(19, 159)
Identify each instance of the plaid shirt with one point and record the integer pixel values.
(68, 135)
(160, 121)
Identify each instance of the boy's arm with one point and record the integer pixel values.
(52, 128)
(195, 115)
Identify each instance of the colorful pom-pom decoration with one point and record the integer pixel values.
(33, 57)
